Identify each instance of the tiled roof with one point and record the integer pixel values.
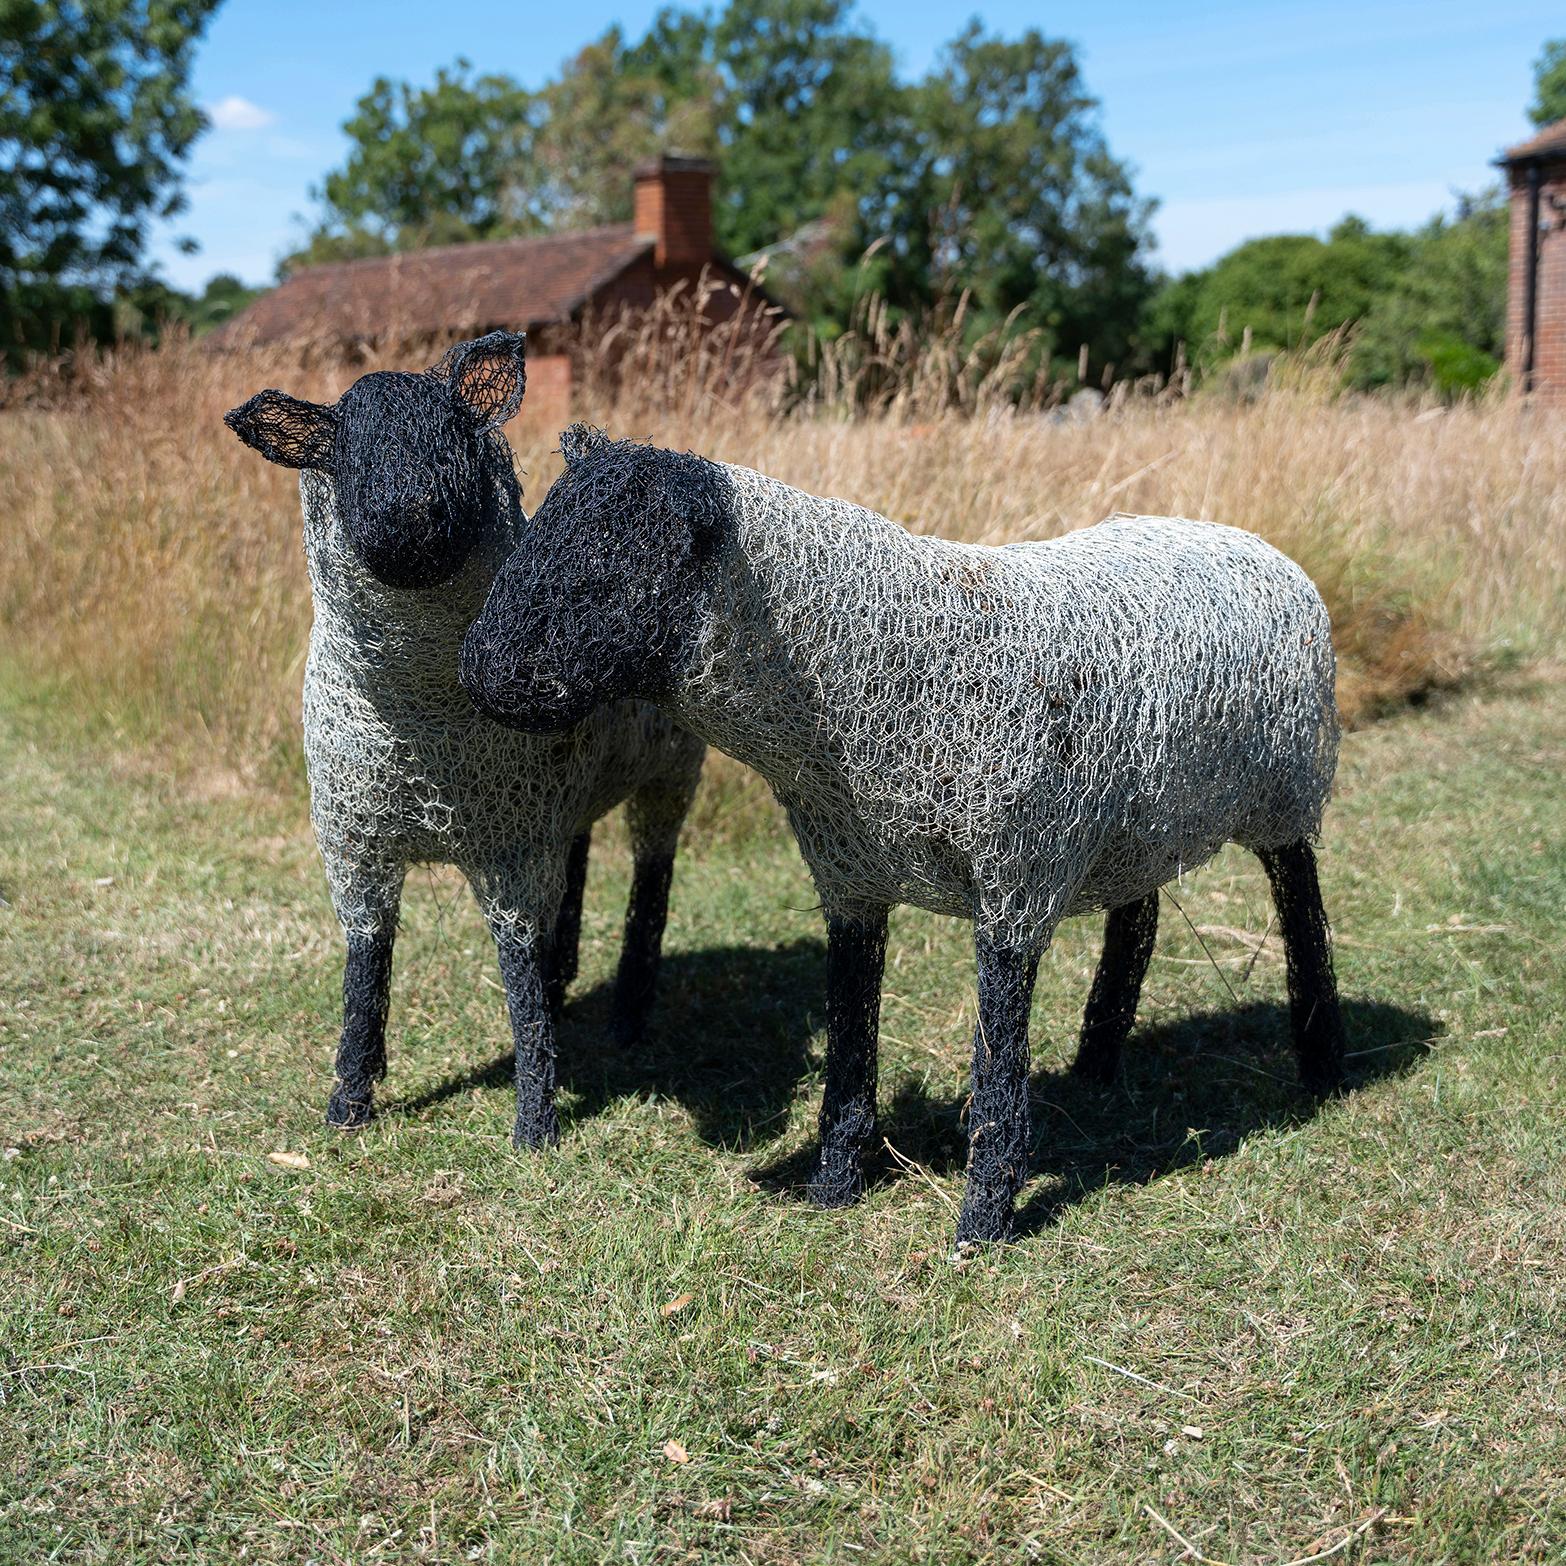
(1549, 143)
(512, 283)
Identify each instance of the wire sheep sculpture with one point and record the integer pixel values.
(1008, 734)
(411, 505)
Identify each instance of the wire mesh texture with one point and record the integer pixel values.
(411, 505)
(1012, 733)
(404, 770)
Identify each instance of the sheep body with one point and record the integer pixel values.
(411, 505)
(1018, 733)
(1010, 734)
(404, 771)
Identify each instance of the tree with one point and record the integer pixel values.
(990, 178)
(95, 122)
(1280, 292)
(805, 109)
(223, 297)
(1031, 208)
(1425, 307)
(611, 107)
(1443, 318)
(429, 165)
(1549, 84)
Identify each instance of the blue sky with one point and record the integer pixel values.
(1243, 117)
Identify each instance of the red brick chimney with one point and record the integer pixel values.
(1536, 296)
(674, 209)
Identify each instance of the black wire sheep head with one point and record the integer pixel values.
(603, 598)
(410, 455)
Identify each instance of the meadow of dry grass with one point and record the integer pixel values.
(151, 574)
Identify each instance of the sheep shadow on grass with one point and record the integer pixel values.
(729, 1041)
(1188, 1091)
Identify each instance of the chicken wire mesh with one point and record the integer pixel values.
(1012, 733)
(404, 770)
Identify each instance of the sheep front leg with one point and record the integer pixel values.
(361, 1051)
(1129, 933)
(856, 959)
(999, 1130)
(367, 894)
(520, 948)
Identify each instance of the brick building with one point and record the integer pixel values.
(544, 286)
(1536, 290)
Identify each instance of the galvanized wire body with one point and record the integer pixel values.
(404, 770)
(1019, 733)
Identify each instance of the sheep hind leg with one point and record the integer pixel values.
(564, 948)
(641, 951)
(999, 1123)
(1314, 1014)
(1129, 933)
(856, 960)
(656, 816)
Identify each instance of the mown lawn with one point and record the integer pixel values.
(1236, 1327)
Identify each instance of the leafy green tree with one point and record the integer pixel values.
(804, 102)
(95, 122)
(429, 165)
(1549, 84)
(1031, 209)
(223, 297)
(1276, 293)
(1425, 307)
(989, 180)
(1443, 318)
(611, 107)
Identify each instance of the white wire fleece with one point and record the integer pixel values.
(1015, 733)
(403, 769)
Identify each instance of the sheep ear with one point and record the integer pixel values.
(579, 440)
(489, 374)
(285, 430)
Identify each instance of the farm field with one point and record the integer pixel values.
(1235, 1328)
(151, 575)
(1195, 429)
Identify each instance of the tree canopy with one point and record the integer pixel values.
(95, 122)
(1427, 306)
(1549, 84)
(989, 178)
(986, 183)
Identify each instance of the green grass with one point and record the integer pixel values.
(1276, 1331)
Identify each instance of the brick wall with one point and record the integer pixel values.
(547, 404)
(640, 284)
(1549, 353)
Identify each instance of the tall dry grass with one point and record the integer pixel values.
(151, 574)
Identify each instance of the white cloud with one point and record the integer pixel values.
(240, 114)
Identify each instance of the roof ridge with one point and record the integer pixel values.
(1548, 138)
(468, 246)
